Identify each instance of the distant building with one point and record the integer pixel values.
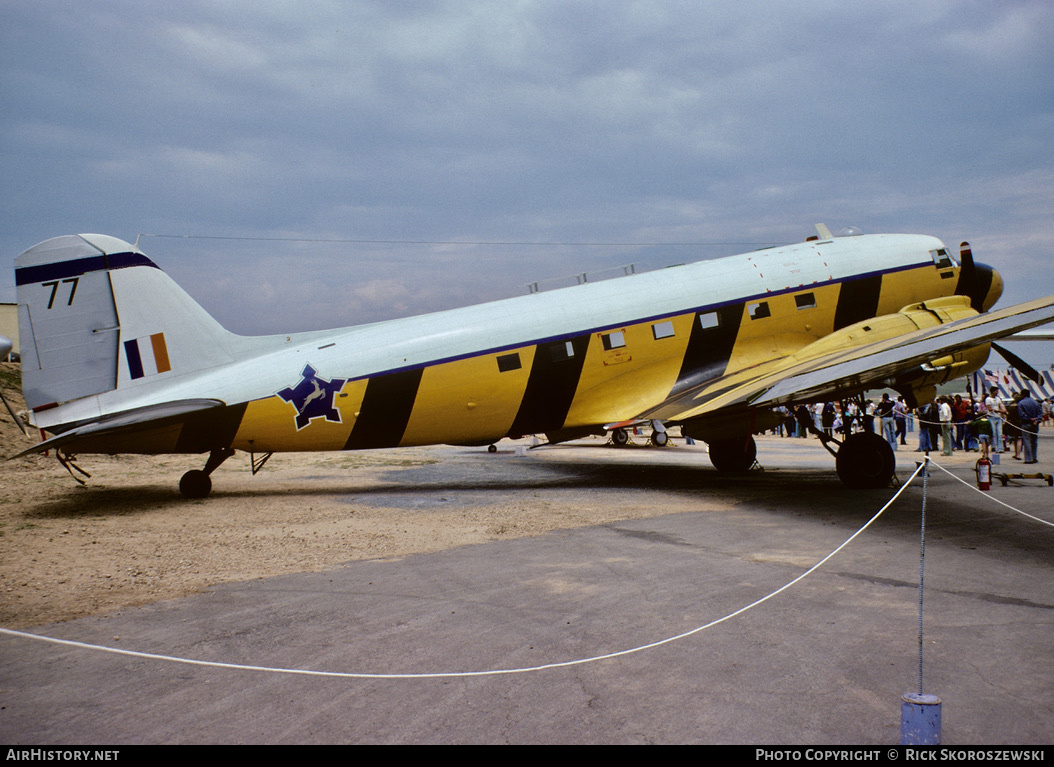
(9, 325)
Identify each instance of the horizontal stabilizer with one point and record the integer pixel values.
(127, 420)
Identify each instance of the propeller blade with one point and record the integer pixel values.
(1023, 367)
(967, 274)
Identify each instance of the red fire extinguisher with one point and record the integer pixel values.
(984, 473)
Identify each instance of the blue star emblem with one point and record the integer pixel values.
(313, 397)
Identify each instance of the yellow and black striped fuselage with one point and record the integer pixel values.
(561, 362)
(568, 374)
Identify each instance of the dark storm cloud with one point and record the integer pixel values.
(636, 122)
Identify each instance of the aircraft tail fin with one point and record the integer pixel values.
(95, 314)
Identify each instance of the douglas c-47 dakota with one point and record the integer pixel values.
(117, 358)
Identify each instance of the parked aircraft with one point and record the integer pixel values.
(117, 358)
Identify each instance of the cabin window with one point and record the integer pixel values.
(562, 350)
(709, 320)
(941, 259)
(507, 362)
(759, 311)
(662, 330)
(805, 301)
(614, 340)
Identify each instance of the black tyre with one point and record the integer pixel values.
(195, 484)
(733, 455)
(865, 462)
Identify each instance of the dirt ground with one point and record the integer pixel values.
(128, 538)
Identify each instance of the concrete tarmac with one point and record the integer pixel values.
(824, 662)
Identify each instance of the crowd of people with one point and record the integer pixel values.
(950, 423)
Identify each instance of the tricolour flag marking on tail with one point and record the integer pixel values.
(147, 355)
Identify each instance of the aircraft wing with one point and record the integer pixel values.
(870, 366)
(163, 416)
(1046, 334)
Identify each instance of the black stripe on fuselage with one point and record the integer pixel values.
(857, 301)
(210, 429)
(385, 410)
(551, 387)
(709, 348)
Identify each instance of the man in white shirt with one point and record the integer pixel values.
(996, 413)
(945, 415)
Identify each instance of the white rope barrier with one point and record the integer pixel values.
(989, 495)
(971, 421)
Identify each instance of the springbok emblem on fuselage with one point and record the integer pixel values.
(313, 397)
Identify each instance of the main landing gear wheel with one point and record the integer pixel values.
(619, 437)
(660, 438)
(733, 455)
(865, 461)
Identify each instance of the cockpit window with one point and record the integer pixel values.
(941, 259)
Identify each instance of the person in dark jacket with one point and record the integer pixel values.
(1030, 414)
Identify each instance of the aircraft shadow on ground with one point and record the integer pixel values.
(426, 479)
(812, 492)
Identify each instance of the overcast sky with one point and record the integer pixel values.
(548, 137)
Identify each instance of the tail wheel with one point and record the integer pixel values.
(733, 455)
(865, 461)
(195, 484)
